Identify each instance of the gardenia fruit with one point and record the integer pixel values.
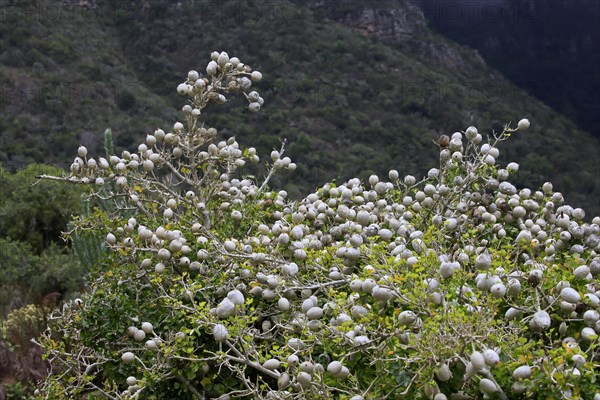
(487, 386)
(522, 372)
(541, 321)
(443, 373)
(220, 333)
(147, 327)
(523, 124)
(491, 357)
(128, 357)
(407, 318)
(226, 308)
(477, 360)
(570, 295)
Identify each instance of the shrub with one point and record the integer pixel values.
(35, 212)
(457, 285)
(21, 325)
(25, 277)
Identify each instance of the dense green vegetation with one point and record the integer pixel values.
(347, 103)
(36, 261)
(38, 269)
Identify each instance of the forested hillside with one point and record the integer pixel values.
(348, 102)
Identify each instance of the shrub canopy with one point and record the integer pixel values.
(457, 285)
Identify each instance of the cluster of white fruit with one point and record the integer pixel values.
(139, 335)
(435, 278)
(224, 75)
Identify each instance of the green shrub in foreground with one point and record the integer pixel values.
(457, 285)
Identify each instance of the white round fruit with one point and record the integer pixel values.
(131, 331)
(164, 254)
(128, 357)
(359, 311)
(296, 344)
(211, 68)
(283, 304)
(446, 269)
(581, 272)
(569, 294)
(356, 285)
(254, 106)
(236, 297)
(483, 261)
(522, 372)
(491, 357)
(314, 313)
(293, 360)
(304, 379)
(471, 133)
(183, 89)
(540, 322)
(256, 76)
(588, 334)
(220, 333)
(407, 318)
(343, 374)
(334, 367)
(498, 290)
(151, 345)
(487, 386)
(148, 165)
(443, 373)
(139, 335)
(518, 388)
(111, 239)
(590, 317)
(226, 308)
(477, 360)
(272, 364)
(82, 151)
(284, 381)
(147, 327)
(523, 124)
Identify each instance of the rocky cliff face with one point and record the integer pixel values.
(541, 38)
(399, 22)
(25, 365)
(387, 21)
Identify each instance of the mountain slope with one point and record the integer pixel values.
(544, 41)
(347, 102)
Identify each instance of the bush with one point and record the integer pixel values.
(35, 212)
(457, 285)
(26, 277)
(22, 324)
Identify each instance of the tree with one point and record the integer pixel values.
(35, 212)
(216, 286)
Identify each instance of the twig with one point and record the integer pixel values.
(272, 171)
(189, 386)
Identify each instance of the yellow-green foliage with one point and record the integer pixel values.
(23, 324)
